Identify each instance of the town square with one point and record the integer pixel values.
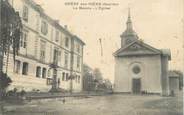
(100, 105)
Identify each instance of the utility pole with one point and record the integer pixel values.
(182, 21)
(100, 40)
(183, 39)
(1, 49)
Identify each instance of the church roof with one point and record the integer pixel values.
(129, 32)
(137, 48)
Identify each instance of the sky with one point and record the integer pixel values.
(157, 22)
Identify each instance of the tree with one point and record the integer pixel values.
(10, 35)
(108, 84)
(98, 79)
(88, 78)
(97, 74)
(87, 69)
(5, 83)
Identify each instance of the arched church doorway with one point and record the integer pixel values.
(136, 85)
(136, 70)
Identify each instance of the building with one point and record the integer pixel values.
(173, 82)
(140, 67)
(45, 42)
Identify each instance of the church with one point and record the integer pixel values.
(139, 67)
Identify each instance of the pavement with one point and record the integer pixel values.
(126, 104)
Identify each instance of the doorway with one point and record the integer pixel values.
(136, 85)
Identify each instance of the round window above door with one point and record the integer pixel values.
(136, 69)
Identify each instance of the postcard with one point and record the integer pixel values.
(91, 57)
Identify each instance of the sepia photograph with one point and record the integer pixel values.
(91, 57)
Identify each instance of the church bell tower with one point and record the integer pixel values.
(129, 35)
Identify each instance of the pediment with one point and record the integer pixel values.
(137, 48)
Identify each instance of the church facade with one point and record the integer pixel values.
(139, 67)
